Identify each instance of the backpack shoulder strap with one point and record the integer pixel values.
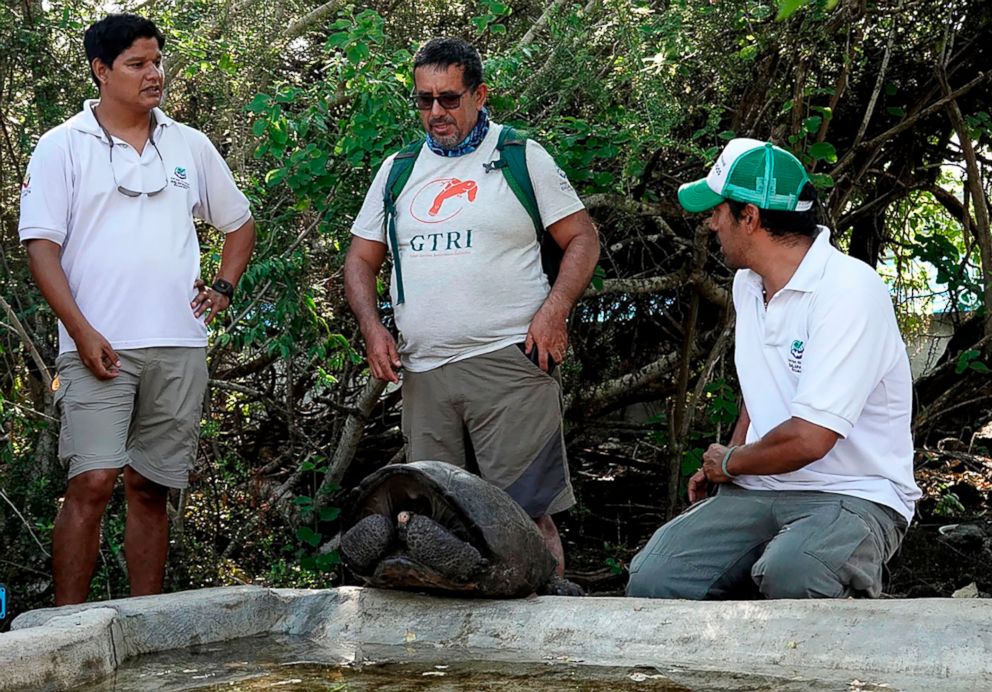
(512, 148)
(399, 174)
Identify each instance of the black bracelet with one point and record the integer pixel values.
(225, 288)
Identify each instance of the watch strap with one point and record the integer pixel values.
(225, 288)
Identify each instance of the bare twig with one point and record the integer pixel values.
(909, 122)
(538, 25)
(870, 110)
(310, 18)
(637, 286)
(39, 362)
(24, 521)
(978, 201)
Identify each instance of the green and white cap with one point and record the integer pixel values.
(751, 171)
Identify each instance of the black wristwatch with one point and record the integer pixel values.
(225, 288)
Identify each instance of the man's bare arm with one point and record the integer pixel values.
(739, 435)
(361, 267)
(789, 446)
(576, 235)
(94, 350)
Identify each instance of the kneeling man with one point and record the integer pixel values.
(816, 489)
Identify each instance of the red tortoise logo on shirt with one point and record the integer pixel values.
(442, 199)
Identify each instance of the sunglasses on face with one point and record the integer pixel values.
(448, 101)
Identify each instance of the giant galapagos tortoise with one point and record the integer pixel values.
(429, 525)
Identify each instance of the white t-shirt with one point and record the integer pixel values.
(828, 350)
(130, 261)
(469, 256)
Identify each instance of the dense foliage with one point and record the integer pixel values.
(888, 101)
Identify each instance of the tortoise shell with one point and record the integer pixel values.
(471, 509)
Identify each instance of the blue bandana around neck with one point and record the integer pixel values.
(467, 145)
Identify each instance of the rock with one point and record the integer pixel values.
(965, 537)
(969, 591)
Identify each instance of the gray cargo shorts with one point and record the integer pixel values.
(777, 544)
(511, 411)
(148, 417)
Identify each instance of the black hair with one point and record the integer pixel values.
(444, 52)
(114, 34)
(785, 223)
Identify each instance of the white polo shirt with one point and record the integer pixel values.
(130, 261)
(828, 350)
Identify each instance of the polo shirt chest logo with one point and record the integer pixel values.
(796, 351)
(178, 178)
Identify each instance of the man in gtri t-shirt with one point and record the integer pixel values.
(480, 329)
(107, 215)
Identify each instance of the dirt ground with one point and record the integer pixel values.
(946, 548)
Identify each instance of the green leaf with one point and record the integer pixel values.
(329, 513)
(786, 8)
(258, 129)
(326, 561)
(727, 135)
(259, 103)
(692, 461)
(823, 151)
(812, 124)
(303, 501)
(308, 535)
(822, 180)
(896, 111)
(275, 176)
(598, 275)
(965, 360)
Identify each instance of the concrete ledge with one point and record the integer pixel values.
(946, 640)
(68, 650)
(912, 644)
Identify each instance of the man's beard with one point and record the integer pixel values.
(447, 141)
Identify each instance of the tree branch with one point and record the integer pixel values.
(538, 25)
(39, 362)
(351, 435)
(909, 122)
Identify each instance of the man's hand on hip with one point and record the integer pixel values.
(384, 360)
(97, 354)
(548, 333)
(208, 301)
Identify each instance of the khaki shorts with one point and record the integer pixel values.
(507, 410)
(148, 417)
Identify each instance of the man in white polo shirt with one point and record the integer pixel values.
(107, 215)
(816, 489)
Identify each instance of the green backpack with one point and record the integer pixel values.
(512, 148)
